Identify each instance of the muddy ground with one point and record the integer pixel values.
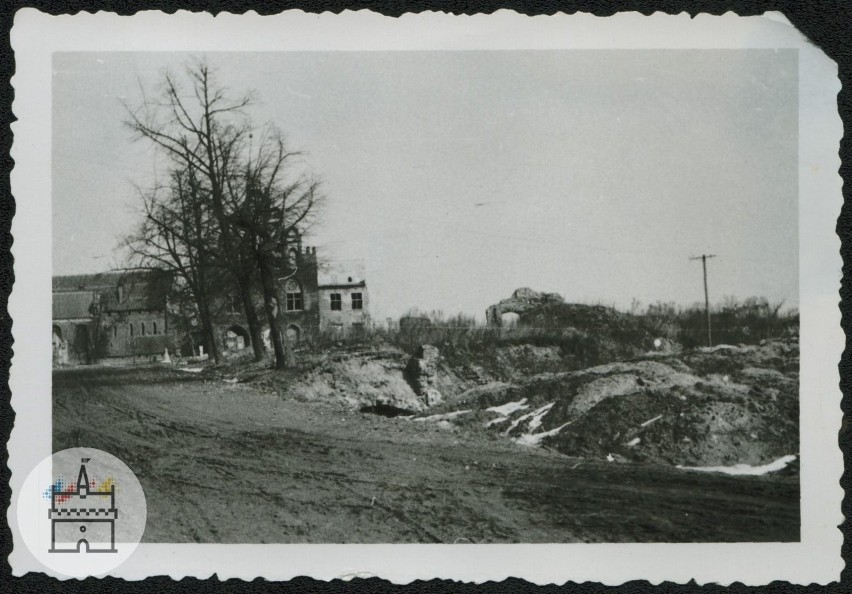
(229, 462)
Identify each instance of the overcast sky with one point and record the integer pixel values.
(460, 176)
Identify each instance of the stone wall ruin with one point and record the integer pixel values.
(522, 302)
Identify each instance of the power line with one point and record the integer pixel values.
(703, 258)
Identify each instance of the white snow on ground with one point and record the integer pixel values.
(496, 421)
(745, 469)
(724, 347)
(633, 442)
(509, 407)
(444, 416)
(649, 421)
(504, 410)
(533, 439)
(192, 369)
(535, 423)
(535, 415)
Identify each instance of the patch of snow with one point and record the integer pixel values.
(719, 347)
(496, 421)
(232, 380)
(745, 469)
(444, 416)
(508, 408)
(610, 458)
(535, 415)
(192, 369)
(533, 439)
(649, 421)
(535, 422)
(633, 442)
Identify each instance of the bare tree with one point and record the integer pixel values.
(249, 194)
(273, 201)
(173, 234)
(204, 131)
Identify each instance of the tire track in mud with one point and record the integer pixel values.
(220, 464)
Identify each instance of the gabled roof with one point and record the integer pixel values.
(118, 291)
(87, 282)
(73, 305)
(139, 291)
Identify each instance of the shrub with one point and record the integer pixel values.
(735, 322)
(586, 335)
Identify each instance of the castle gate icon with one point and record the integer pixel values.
(82, 519)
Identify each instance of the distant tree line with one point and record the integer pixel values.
(593, 334)
(733, 321)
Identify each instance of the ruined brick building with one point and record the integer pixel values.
(111, 314)
(128, 314)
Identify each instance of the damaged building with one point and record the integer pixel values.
(111, 315)
(523, 302)
(128, 314)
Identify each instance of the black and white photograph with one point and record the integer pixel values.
(523, 351)
(434, 296)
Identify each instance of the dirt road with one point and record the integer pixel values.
(224, 462)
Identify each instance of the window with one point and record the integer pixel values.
(154, 329)
(294, 296)
(357, 301)
(114, 331)
(292, 258)
(131, 329)
(232, 304)
(294, 302)
(143, 328)
(336, 302)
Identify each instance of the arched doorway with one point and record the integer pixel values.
(60, 350)
(509, 319)
(236, 338)
(292, 333)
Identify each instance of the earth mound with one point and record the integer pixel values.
(709, 407)
(553, 337)
(373, 380)
(613, 328)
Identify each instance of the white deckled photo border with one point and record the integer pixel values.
(816, 559)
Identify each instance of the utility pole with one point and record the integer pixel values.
(703, 258)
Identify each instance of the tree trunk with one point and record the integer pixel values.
(202, 286)
(210, 338)
(283, 355)
(207, 326)
(252, 321)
